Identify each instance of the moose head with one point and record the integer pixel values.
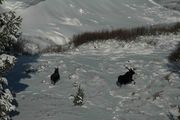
(127, 77)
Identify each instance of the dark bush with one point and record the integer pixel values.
(51, 49)
(172, 117)
(124, 34)
(1, 1)
(79, 97)
(175, 55)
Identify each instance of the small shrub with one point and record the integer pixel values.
(178, 117)
(1, 1)
(79, 97)
(172, 117)
(54, 48)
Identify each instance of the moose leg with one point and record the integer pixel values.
(52, 82)
(118, 84)
(134, 82)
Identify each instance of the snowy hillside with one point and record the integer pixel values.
(58, 20)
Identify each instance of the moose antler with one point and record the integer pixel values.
(132, 68)
(126, 67)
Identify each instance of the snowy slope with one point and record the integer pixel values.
(155, 93)
(172, 4)
(58, 20)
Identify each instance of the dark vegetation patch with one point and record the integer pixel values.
(175, 55)
(173, 117)
(19, 47)
(124, 34)
(54, 48)
(174, 59)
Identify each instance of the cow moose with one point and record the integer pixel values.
(126, 78)
(55, 76)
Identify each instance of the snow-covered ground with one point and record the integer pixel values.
(58, 20)
(96, 67)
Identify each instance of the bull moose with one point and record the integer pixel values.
(127, 78)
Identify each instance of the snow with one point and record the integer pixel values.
(96, 70)
(60, 19)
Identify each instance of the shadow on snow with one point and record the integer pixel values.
(18, 73)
